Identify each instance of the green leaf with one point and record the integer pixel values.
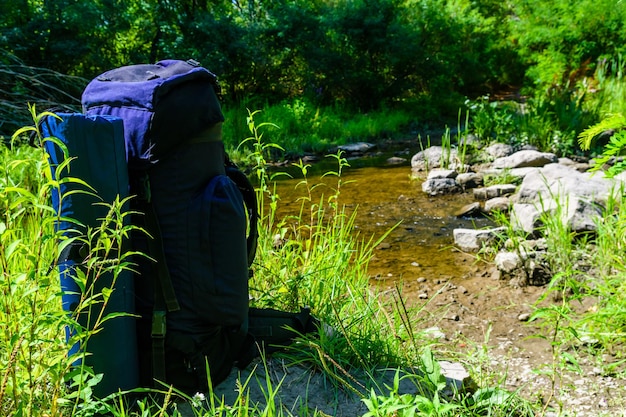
(106, 293)
(615, 121)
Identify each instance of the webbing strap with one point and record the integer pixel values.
(158, 345)
(164, 295)
(163, 274)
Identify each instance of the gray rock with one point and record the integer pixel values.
(469, 180)
(526, 217)
(577, 199)
(433, 157)
(508, 261)
(558, 180)
(469, 210)
(472, 240)
(357, 147)
(438, 186)
(494, 191)
(515, 173)
(578, 166)
(456, 376)
(499, 150)
(502, 204)
(523, 266)
(396, 160)
(440, 173)
(526, 158)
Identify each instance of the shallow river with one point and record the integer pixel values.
(422, 244)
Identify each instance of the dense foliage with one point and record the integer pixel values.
(362, 53)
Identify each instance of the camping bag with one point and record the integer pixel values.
(193, 301)
(96, 146)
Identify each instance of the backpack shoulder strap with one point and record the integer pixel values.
(164, 296)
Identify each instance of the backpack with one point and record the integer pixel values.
(194, 314)
(199, 211)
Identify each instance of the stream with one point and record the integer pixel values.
(422, 243)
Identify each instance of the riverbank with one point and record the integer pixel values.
(471, 315)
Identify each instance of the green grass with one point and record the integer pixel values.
(30, 319)
(299, 127)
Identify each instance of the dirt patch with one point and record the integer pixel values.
(484, 323)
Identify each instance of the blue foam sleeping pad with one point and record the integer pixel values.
(97, 144)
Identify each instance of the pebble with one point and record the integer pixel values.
(435, 332)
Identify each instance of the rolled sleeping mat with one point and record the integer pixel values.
(97, 145)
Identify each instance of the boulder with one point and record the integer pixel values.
(502, 204)
(525, 158)
(357, 147)
(469, 180)
(494, 191)
(577, 199)
(439, 186)
(442, 173)
(499, 150)
(470, 210)
(433, 157)
(395, 160)
(473, 240)
(508, 262)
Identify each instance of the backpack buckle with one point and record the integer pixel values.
(158, 324)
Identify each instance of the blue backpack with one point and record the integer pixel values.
(191, 298)
(193, 301)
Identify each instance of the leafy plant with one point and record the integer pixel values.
(313, 258)
(492, 120)
(606, 319)
(559, 321)
(299, 126)
(427, 402)
(446, 150)
(616, 124)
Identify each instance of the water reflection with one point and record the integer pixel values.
(422, 243)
